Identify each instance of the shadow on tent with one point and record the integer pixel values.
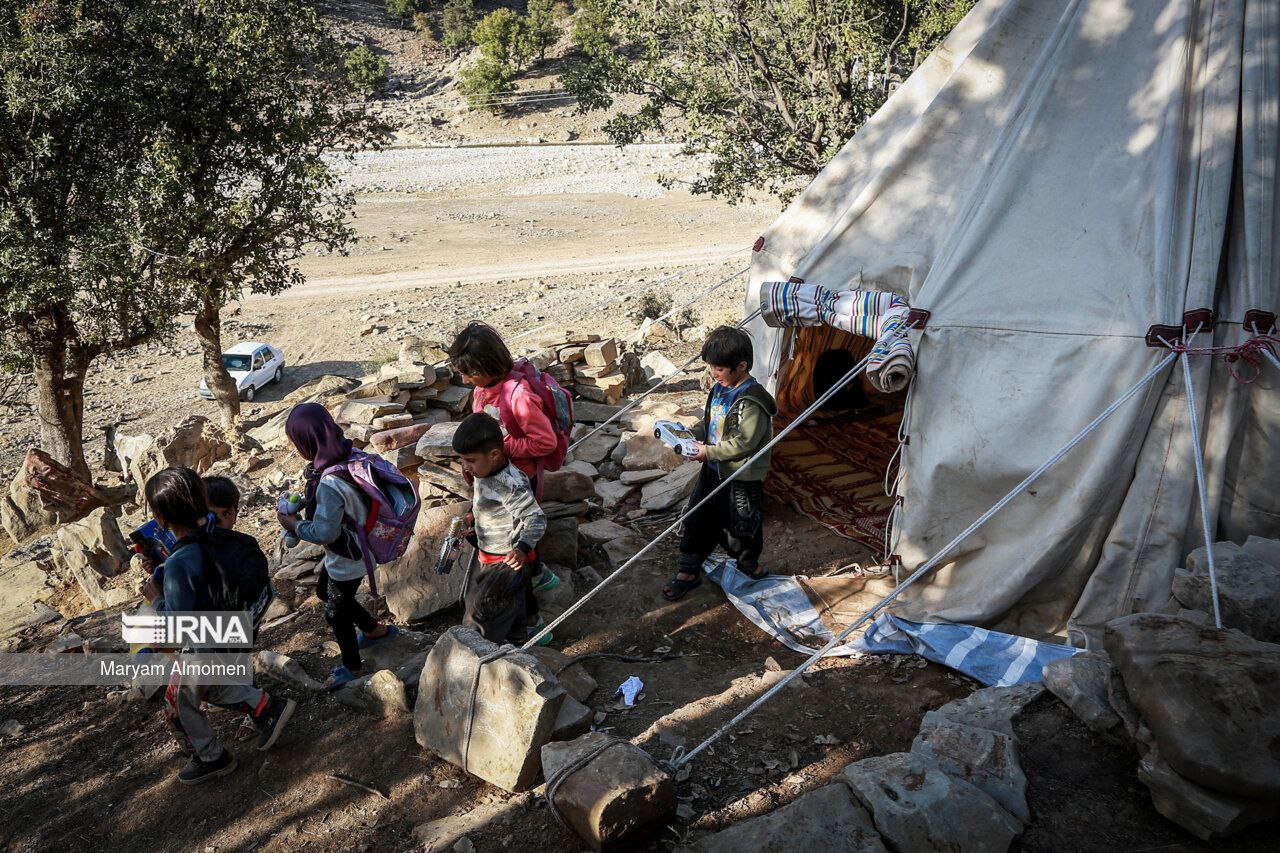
(833, 468)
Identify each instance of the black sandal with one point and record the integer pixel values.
(676, 588)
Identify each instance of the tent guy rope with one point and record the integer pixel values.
(680, 758)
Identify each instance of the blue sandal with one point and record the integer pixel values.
(339, 676)
(364, 641)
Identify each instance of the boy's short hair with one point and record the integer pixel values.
(477, 433)
(479, 350)
(726, 346)
(222, 492)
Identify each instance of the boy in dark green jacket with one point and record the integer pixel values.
(737, 422)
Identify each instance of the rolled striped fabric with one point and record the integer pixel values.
(869, 313)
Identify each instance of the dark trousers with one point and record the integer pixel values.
(344, 614)
(499, 602)
(733, 519)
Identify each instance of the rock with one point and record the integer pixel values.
(411, 586)
(26, 588)
(567, 486)
(552, 602)
(990, 708)
(1248, 589)
(671, 489)
(618, 798)
(646, 453)
(392, 422)
(576, 681)
(604, 530)
(1080, 681)
(437, 442)
(632, 371)
(284, 668)
(573, 721)
(656, 365)
(596, 449)
(45, 492)
(394, 439)
(374, 387)
(1266, 550)
(828, 819)
(555, 509)
(414, 350)
(602, 353)
(295, 570)
(601, 391)
(320, 388)
(582, 467)
(638, 478)
(559, 545)
(594, 413)
(454, 398)
(196, 443)
(572, 355)
(408, 374)
(650, 332)
(612, 493)
(1205, 814)
(1209, 697)
(386, 692)
(11, 728)
(986, 759)
(517, 702)
(444, 478)
(918, 807)
(365, 411)
(93, 544)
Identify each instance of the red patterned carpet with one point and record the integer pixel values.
(834, 473)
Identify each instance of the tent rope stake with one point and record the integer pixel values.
(831, 392)
(679, 757)
(1201, 490)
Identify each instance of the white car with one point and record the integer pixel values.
(252, 367)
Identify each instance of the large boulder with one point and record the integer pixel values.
(559, 544)
(986, 759)
(829, 818)
(1209, 697)
(1205, 814)
(509, 712)
(44, 493)
(916, 806)
(411, 586)
(1248, 589)
(196, 443)
(91, 550)
(615, 799)
(646, 453)
(567, 486)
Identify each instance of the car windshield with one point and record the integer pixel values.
(235, 362)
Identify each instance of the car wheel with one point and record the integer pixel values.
(279, 374)
(249, 394)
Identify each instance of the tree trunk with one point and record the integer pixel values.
(208, 327)
(60, 400)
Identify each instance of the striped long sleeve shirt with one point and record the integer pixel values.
(506, 512)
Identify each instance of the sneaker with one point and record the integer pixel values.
(198, 771)
(248, 730)
(545, 641)
(273, 719)
(545, 581)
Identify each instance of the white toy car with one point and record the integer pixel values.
(676, 437)
(252, 366)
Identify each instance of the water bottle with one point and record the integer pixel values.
(451, 547)
(290, 504)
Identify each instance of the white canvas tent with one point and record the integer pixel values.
(1055, 179)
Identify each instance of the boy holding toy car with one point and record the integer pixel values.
(737, 422)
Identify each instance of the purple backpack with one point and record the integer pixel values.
(393, 508)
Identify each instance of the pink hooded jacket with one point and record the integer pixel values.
(529, 433)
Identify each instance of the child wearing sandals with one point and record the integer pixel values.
(332, 507)
(737, 422)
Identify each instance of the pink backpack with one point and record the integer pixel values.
(556, 403)
(393, 509)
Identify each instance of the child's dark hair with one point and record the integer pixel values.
(177, 496)
(479, 350)
(726, 346)
(221, 492)
(478, 433)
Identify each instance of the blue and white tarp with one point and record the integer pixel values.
(779, 606)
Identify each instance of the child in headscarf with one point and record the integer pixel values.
(332, 507)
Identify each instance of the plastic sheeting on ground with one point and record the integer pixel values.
(778, 605)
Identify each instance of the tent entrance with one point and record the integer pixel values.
(833, 467)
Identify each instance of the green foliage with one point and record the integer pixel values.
(426, 32)
(365, 70)
(770, 89)
(403, 9)
(503, 37)
(484, 79)
(457, 20)
(543, 27)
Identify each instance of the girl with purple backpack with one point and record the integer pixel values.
(334, 512)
